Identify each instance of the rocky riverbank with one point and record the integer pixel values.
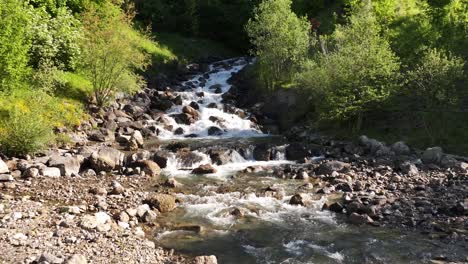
(100, 199)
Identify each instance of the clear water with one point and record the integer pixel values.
(270, 230)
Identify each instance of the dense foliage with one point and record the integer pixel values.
(281, 40)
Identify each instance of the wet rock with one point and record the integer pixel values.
(194, 105)
(329, 167)
(220, 156)
(212, 105)
(216, 86)
(204, 169)
(359, 219)
(183, 118)
(192, 228)
(206, 260)
(237, 212)
(191, 112)
(68, 165)
(336, 207)
(163, 202)
(179, 131)
(187, 158)
(150, 167)
(162, 105)
(215, 131)
(51, 172)
(297, 151)
(3, 167)
(172, 183)
(299, 199)
(161, 157)
(262, 152)
(432, 155)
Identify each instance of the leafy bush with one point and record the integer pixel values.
(24, 132)
(111, 57)
(55, 39)
(357, 72)
(14, 43)
(281, 39)
(433, 83)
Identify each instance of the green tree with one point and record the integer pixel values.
(358, 71)
(280, 38)
(14, 43)
(110, 54)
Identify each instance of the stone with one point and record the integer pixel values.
(359, 219)
(149, 216)
(76, 259)
(188, 158)
(68, 165)
(183, 118)
(330, 166)
(191, 112)
(215, 131)
(297, 151)
(409, 168)
(172, 183)
(336, 207)
(117, 188)
(98, 191)
(3, 167)
(299, 199)
(6, 178)
(206, 260)
(140, 210)
(432, 155)
(215, 86)
(31, 173)
(400, 148)
(51, 172)
(163, 202)
(194, 105)
(179, 131)
(150, 167)
(262, 152)
(49, 258)
(138, 138)
(89, 173)
(204, 169)
(161, 158)
(220, 156)
(106, 159)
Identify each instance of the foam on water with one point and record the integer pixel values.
(233, 124)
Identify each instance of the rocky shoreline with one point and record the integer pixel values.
(98, 199)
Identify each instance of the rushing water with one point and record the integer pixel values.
(245, 217)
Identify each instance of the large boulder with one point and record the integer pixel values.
(161, 157)
(330, 166)
(183, 118)
(3, 167)
(433, 155)
(215, 131)
(150, 167)
(400, 148)
(163, 202)
(262, 152)
(106, 159)
(191, 112)
(220, 156)
(297, 151)
(68, 165)
(162, 105)
(188, 158)
(204, 169)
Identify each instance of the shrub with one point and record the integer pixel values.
(280, 38)
(357, 72)
(14, 43)
(111, 56)
(23, 132)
